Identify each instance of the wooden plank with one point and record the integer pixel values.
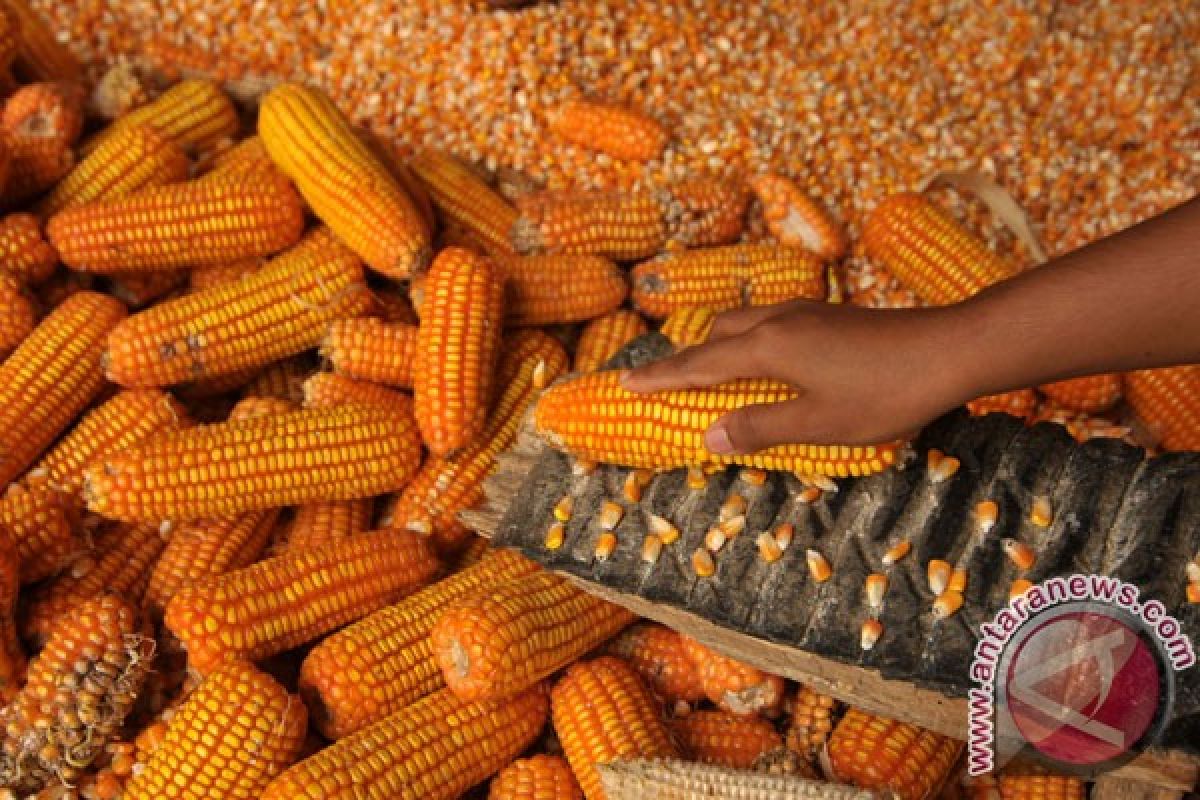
(1111, 787)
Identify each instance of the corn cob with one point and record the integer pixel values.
(404, 176)
(666, 430)
(51, 377)
(279, 311)
(1020, 403)
(557, 289)
(688, 326)
(623, 227)
(604, 337)
(17, 316)
(878, 753)
(41, 123)
(221, 274)
(730, 740)
(247, 157)
(395, 307)
(195, 114)
(657, 654)
(435, 749)
(1166, 401)
(375, 667)
(328, 389)
(139, 289)
(1017, 786)
(232, 736)
(268, 462)
(473, 552)
(282, 380)
(458, 342)
(465, 200)
(811, 722)
(539, 777)
(77, 694)
(23, 252)
(1091, 394)
(603, 713)
(613, 129)
(735, 687)
(38, 520)
(705, 211)
(12, 655)
(928, 251)
(369, 349)
(444, 486)
(293, 598)
(722, 278)
(318, 524)
(796, 220)
(40, 56)
(10, 41)
(120, 90)
(684, 780)
(343, 182)
(180, 225)
(133, 158)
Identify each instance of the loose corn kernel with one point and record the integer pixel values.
(958, 580)
(541, 777)
(194, 113)
(702, 563)
(697, 480)
(555, 535)
(768, 548)
(734, 686)
(818, 566)
(869, 634)
(610, 515)
(986, 514)
(563, 508)
(784, 532)
(942, 468)
(947, 604)
(1020, 554)
(651, 548)
(878, 753)
(874, 588)
(714, 539)
(620, 226)
(731, 740)
(1019, 587)
(619, 131)
(606, 545)
(896, 552)
(734, 506)
(604, 337)
(752, 476)
(1193, 571)
(663, 528)
(369, 349)
(796, 220)
(631, 487)
(24, 253)
(1193, 593)
(938, 572)
(1042, 513)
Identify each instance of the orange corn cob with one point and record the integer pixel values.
(556, 289)
(282, 380)
(133, 158)
(458, 342)
(231, 737)
(1166, 400)
(501, 643)
(404, 176)
(929, 252)
(624, 227)
(188, 224)
(12, 654)
(40, 56)
(796, 220)
(343, 182)
(318, 524)
(195, 114)
(51, 377)
(603, 712)
(245, 158)
(473, 552)
(604, 337)
(10, 41)
(465, 200)
(293, 598)
(394, 307)
(370, 349)
(619, 131)
(375, 667)
(658, 655)
(24, 253)
(38, 520)
(1041, 787)
(703, 212)
(729, 740)
(281, 310)
(210, 277)
(41, 122)
(140, 289)
(435, 749)
(17, 316)
(444, 486)
(735, 687)
(722, 278)
(666, 430)
(327, 389)
(267, 462)
(1020, 403)
(882, 754)
(688, 326)
(811, 722)
(539, 777)
(1090, 394)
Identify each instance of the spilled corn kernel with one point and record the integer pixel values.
(947, 604)
(606, 543)
(1042, 514)
(986, 513)
(734, 506)
(876, 586)
(958, 580)
(872, 629)
(663, 529)
(702, 562)
(651, 548)
(696, 479)
(1019, 553)
(1019, 587)
(810, 494)
(563, 509)
(945, 469)
(768, 548)
(610, 515)
(1193, 593)
(938, 572)
(555, 535)
(818, 566)
(753, 476)
(715, 539)
(784, 532)
(896, 552)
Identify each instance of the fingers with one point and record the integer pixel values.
(755, 428)
(739, 321)
(695, 367)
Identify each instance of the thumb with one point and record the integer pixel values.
(758, 427)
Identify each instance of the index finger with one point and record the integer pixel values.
(695, 367)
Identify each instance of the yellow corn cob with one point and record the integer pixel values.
(180, 225)
(730, 740)
(12, 655)
(369, 349)
(736, 687)
(613, 129)
(666, 430)
(38, 520)
(24, 253)
(1166, 400)
(882, 754)
(41, 123)
(557, 289)
(539, 777)
(435, 749)
(458, 342)
(705, 211)
(403, 175)
(343, 182)
(51, 377)
(1020, 403)
(267, 462)
(318, 524)
(17, 316)
(796, 220)
(327, 389)
(210, 277)
(501, 643)
(464, 199)
(688, 326)
(140, 289)
(40, 56)
(293, 598)
(385, 662)
(604, 337)
(722, 278)
(657, 654)
(929, 252)
(281, 310)
(624, 227)
(603, 712)
(811, 722)
(1091, 394)
(245, 158)
(1017, 786)
(231, 737)
(444, 486)
(133, 158)
(195, 114)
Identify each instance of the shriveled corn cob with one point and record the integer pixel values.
(1019, 403)
(40, 56)
(928, 251)
(540, 777)
(811, 722)
(734, 686)
(722, 278)
(283, 309)
(705, 211)
(41, 123)
(318, 524)
(293, 598)
(458, 342)
(38, 519)
(463, 198)
(369, 349)
(501, 643)
(12, 654)
(604, 713)
(1017, 786)
(194, 113)
(326, 389)
(435, 749)
(557, 289)
(267, 462)
(730, 740)
(51, 377)
(616, 130)
(180, 225)
(1091, 394)
(343, 182)
(232, 736)
(620, 226)
(685, 780)
(210, 277)
(375, 667)
(795, 219)
(1167, 401)
(882, 754)
(24, 253)
(688, 326)
(594, 418)
(139, 289)
(658, 655)
(604, 337)
(17, 315)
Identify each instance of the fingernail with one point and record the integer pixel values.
(717, 440)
